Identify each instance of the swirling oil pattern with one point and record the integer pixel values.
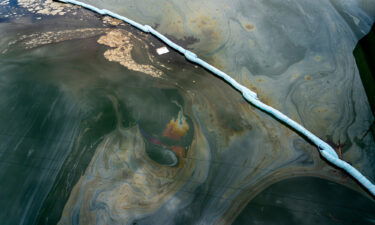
(97, 128)
(288, 51)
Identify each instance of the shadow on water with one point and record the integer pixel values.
(308, 200)
(364, 54)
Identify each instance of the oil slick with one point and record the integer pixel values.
(176, 128)
(47, 7)
(121, 43)
(122, 185)
(150, 161)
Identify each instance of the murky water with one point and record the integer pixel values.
(96, 128)
(307, 200)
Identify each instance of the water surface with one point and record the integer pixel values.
(96, 128)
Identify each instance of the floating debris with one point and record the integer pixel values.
(162, 50)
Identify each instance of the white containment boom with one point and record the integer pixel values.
(325, 149)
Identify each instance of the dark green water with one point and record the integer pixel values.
(58, 101)
(83, 140)
(308, 200)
